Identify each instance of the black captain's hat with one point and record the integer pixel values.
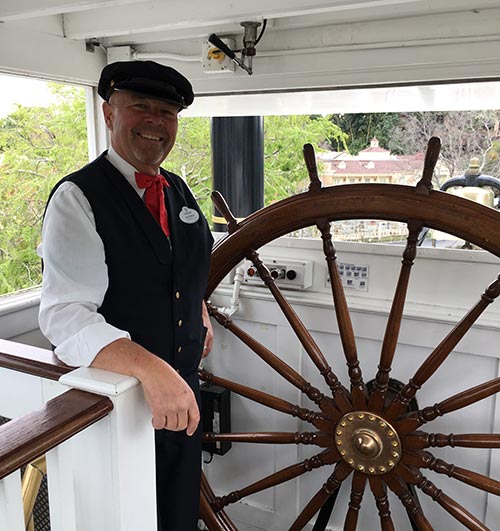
(147, 78)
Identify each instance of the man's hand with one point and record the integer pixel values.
(209, 338)
(169, 397)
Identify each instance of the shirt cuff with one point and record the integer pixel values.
(80, 349)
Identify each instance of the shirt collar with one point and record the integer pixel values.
(125, 168)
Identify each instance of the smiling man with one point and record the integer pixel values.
(126, 253)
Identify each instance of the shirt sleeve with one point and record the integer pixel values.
(75, 279)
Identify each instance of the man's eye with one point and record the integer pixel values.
(140, 106)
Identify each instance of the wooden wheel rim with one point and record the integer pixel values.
(472, 222)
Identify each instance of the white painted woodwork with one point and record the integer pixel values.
(114, 461)
(61, 487)
(157, 15)
(11, 506)
(306, 45)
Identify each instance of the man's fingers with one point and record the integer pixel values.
(158, 422)
(182, 420)
(193, 419)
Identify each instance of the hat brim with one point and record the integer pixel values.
(150, 88)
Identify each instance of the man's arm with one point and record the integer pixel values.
(170, 399)
(74, 286)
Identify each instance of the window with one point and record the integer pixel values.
(43, 137)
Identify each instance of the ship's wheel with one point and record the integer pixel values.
(367, 435)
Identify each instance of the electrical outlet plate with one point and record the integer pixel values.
(215, 61)
(291, 274)
(354, 276)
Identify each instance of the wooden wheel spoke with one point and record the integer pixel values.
(316, 419)
(220, 520)
(410, 503)
(450, 505)
(421, 440)
(341, 472)
(474, 479)
(442, 351)
(282, 368)
(318, 439)
(394, 320)
(424, 186)
(382, 502)
(327, 457)
(315, 183)
(414, 420)
(338, 391)
(344, 323)
(357, 491)
(221, 205)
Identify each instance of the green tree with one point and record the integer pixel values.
(361, 128)
(285, 173)
(191, 159)
(38, 146)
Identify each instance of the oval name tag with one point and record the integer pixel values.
(188, 215)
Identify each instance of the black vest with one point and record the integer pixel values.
(156, 285)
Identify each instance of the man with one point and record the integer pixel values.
(126, 253)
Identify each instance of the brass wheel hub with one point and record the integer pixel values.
(367, 442)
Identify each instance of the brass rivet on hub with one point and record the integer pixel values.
(367, 442)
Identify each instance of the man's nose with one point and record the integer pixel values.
(155, 116)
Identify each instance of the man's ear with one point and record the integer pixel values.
(107, 111)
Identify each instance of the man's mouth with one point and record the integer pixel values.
(149, 136)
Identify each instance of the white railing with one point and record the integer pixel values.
(101, 477)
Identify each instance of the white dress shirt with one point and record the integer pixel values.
(75, 275)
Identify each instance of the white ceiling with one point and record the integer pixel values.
(307, 43)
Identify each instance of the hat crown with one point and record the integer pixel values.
(148, 78)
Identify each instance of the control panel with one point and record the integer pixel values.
(293, 274)
(354, 276)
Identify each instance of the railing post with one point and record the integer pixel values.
(11, 506)
(113, 461)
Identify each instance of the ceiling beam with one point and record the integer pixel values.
(21, 9)
(158, 15)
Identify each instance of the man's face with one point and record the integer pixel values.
(142, 129)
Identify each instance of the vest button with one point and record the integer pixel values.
(177, 295)
(179, 322)
(179, 349)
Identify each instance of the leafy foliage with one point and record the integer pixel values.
(284, 169)
(361, 128)
(38, 146)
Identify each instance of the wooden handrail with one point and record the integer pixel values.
(32, 360)
(32, 435)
